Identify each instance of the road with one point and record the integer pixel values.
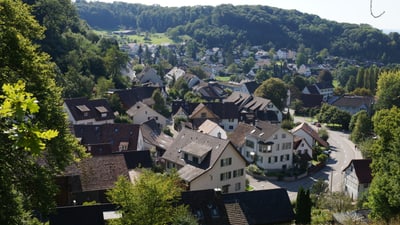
(343, 151)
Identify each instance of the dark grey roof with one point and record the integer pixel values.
(251, 86)
(106, 138)
(224, 110)
(153, 135)
(263, 207)
(311, 100)
(80, 215)
(353, 101)
(313, 89)
(84, 109)
(363, 170)
(137, 159)
(130, 97)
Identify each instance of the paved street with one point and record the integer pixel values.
(343, 151)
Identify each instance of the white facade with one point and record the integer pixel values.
(303, 148)
(229, 124)
(272, 153)
(211, 128)
(141, 113)
(230, 178)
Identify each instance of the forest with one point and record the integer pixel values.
(227, 25)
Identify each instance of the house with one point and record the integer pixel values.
(85, 111)
(211, 128)
(140, 113)
(206, 162)
(129, 97)
(302, 153)
(225, 114)
(89, 179)
(354, 104)
(191, 80)
(109, 138)
(174, 74)
(210, 91)
(267, 145)
(309, 134)
(322, 88)
(255, 108)
(357, 177)
(154, 138)
(234, 86)
(149, 75)
(311, 100)
(242, 208)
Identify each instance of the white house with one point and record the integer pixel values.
(206, 162)
(357, 177)
(211, 128)
(266, 144)
(323, 88)
(309, 134)
(141, 113)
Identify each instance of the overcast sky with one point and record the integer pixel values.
(351, 11)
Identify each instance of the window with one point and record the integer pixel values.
(287, 157)
(230, 127)
(225, 176)
(225, 188)
(237, 186)
(276, 158)
(195, 159)
(264, 148)
(249, 144)
(275, 136)
(226, 162)
(286, 146)
(247, 154)
(185, 156)
(269, 159)
(238, 173)
(203, 115)
(260, 159)
(231, 120)
(103, 115)
(281, 158)
(277, 147)
(283, 135)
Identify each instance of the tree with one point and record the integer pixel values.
(325, 76)
(159, 102)
(303, 207)
(388, 90)
(362, 127)
(151, 199)
(331, 114)
(275, 90)
(26, 184)
(335, 202)
(384, 193)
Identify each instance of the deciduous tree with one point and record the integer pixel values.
(275, 90)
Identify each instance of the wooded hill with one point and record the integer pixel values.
(228, 25)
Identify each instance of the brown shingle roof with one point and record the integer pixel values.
(353, 101)
(261, 130)
(238, 135)
(187, 138)
(306, 128)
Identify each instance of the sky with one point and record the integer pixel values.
(350, 11)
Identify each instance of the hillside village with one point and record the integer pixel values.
(211, 143)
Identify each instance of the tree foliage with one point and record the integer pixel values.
(388, 90)
(303, 206)
(332, 115)
(275, 90)
(151, 199)
(384, 193)
(361, 129)
(27, 177)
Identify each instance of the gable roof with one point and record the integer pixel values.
(93, 108)
(135, 159)
(251, 86)
(202, 107)
(130, 97)
(99, 172)
(353, 101)
(207, 126)
(277, 208)
(186, 139)
(307, 129)
(312, 89)
(238, 98)
(257, 103)
(224, 110)
(311, 100)
(238, 135)
(106, 138)
(153, 135)
(362, 169)
(251, 207)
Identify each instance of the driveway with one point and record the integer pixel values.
(343, 152)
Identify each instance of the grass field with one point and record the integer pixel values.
(219, 78)
(152, 38)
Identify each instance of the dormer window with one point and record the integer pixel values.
(203, 115)
(83, 109)
(102, 110)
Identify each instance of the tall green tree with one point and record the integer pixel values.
(384, 193)
(388, 90)
(362, 127)
(303, 206)
(275, 90)
(24, 179)
(151, 200)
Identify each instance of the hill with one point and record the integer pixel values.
(227, 25)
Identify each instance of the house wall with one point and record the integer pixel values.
(204, 113)
(275, 159)
(145, 113)
(140, 142)
(304, 147)
(307, 137)
(222, 133)
(229, 124)
(212, 178)
(351, 184)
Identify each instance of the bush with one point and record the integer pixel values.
(323, 133)
(254, 169)
(322, 158)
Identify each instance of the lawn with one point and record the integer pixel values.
(152, 38)
(225, 79)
